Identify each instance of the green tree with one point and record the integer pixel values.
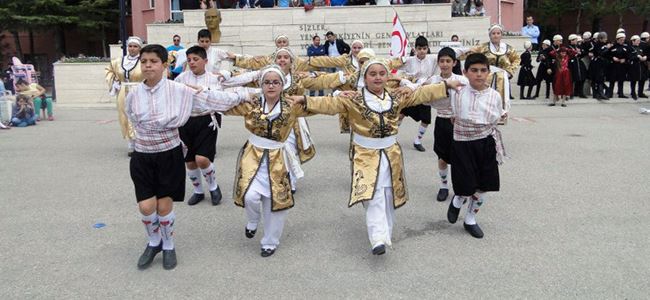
(642, 8)
(57, 15)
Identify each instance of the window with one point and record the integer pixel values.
(152, 3)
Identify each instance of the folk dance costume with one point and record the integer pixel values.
(638, 71)
(377, 166)
(620, 56)
(599, 63)
(264, 164)
(505, 57)
(119, 72)
(350, 65)
(443, 132)
(544, 69)
(477, 151)
(577, 68)
(562, 84)
(526, 77)
(157, 165)
(418, 71)
(296, 83)
(215, 57)
(200, 133)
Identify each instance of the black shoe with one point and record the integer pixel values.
(622, 96)
(563, 105)
(452, 212)
(583, 96)
(267, 252)
(148, 255)
(250, 233)
(293, 191)
(379, 250)
(196, 198)
(643, 95)
(551, 104)
(419, 147)
(442, 195)
(216, 196)
(635, 97)
(169, 259)
(474, 230)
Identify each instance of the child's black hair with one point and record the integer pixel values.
(21, 82)
(198, 51)
(421, 41)
(204, 33)
(476, 58)
(159, 50)
(446, 51)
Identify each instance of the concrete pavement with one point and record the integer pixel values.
(570, 222)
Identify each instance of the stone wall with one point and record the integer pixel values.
(252, 31)
(81, 83)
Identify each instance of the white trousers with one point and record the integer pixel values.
(291, 140)
(380, 216)
(273, 221)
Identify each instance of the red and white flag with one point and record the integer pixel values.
(399, 44)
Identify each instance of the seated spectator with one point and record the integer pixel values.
(23, 112)
(37, 93)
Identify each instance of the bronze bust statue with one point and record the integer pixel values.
(212, 21)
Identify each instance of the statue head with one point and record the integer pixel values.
(212, 19)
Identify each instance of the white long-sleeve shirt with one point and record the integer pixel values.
(157, 112)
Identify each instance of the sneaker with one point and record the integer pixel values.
(442, 195)
(419, 147)
(474, 230)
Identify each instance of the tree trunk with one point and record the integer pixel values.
(595, 24)
(104, 42)
(578, 19)
(620, 20)
(19, 49)
(59, 40)
(31, 42)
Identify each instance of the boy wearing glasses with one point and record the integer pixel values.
(477, 149)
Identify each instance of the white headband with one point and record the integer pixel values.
(287, 50)
(134, 40)
(371, 62)
(281, 37)
(272, 69)
(495, 26)
(358, 41)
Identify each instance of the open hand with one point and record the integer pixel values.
(454, 84)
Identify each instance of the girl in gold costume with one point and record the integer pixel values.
(266, 159)
(119, 74)
(377, 167)
(502, 56)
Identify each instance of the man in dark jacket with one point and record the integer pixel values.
(335, 47)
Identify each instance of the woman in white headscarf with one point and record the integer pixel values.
(377, 166)
(119, 74)
(501, 56)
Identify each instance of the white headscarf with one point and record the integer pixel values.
(371, 62)
(272, 69)
(134, 40)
